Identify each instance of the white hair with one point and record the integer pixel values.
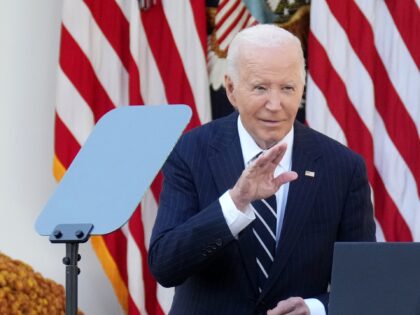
(261, 35)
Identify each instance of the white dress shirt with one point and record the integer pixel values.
(238, 220)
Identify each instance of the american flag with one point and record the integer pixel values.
(231, 17)
(364, 90)
(122, 52)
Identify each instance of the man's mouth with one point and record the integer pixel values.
(270, 122)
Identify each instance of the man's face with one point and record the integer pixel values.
(268, 91)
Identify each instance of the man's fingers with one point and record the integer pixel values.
(291, 306)
(279, 153)
(271, 158)
(275, 154)
(257, 179)
(283, 307)
(285, 177)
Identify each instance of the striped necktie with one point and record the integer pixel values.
(264, 228)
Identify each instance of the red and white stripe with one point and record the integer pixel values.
(363, 90)
(231, 17)
(112, 54)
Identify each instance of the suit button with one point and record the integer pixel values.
(219, 242)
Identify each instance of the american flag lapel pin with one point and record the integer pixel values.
(309, 173)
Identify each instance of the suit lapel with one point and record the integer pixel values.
(300, 199)
(226, 164)
(225, 155)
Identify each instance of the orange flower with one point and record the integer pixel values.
(25, 292)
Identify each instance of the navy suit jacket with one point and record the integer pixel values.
(193, 249)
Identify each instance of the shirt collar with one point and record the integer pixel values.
(250, 148)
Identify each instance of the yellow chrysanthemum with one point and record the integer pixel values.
(25, 292)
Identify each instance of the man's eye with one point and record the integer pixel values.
(259, 88)
(288, 88)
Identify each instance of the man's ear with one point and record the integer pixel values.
(229, 86)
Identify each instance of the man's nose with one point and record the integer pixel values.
(274, 101)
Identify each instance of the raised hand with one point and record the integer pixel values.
(257, 181)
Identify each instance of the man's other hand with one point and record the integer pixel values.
(291, 306)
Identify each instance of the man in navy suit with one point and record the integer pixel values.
(204, 241)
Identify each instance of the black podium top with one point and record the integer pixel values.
(375, 279)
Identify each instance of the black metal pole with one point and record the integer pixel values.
(72, 272)
(71, 235)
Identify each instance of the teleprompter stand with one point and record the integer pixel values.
(71, 235)
(107, 179)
